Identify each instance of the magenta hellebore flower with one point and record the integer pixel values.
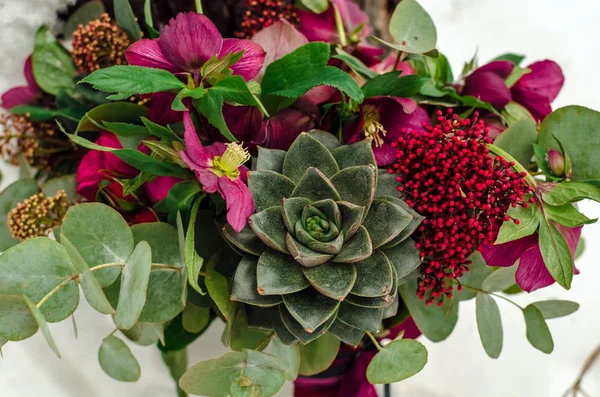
(532, 273)
(185, 45)
(383, 120)
(535, 90)
(23, 95)
(220, 168)
(322, 27)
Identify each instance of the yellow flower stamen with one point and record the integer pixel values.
(229, 163)
(372, 128)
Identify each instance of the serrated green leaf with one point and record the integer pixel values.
(567, 215)
(234, 89)
(489, 324)
(397, 361)
(122, 112)
(117, 361)
(161, 132)
(568, 192)
(538, 333)
(394, 85)
(356, 65)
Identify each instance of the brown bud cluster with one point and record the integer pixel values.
(260, 14)
(99, 44)
(38, 215)
(36, 141)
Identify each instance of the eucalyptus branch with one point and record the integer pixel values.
(375, 342)
(56, 289)
(589, 362)
(493, 294)
(517, 166)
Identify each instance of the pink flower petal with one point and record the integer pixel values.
(112, 163)
(147, 53)
(571, 236)
(215, 149)
(158, 189)
(384, 154)
(28, 72)
(353, 16)
(537, 90)
(488, 87)
(194, 150)
(499, 68)
(506, 255)
(208, 179)
(318, 27)
(278, 40)
(532, 273)
(18, 96)
(189, 40)
(387, 65)
(252, 60)
(88, 176)
(239, 202)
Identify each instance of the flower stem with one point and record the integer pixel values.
(375, 342)
(199, 7)
(493, 294)
(517, 166)
(339, 24)
(55, 290)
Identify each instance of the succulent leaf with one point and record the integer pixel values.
(404, 257)
(386, 184)
(291, 211)
(359, 153)
(374, 276)
(330, 209)
(360, 317)
(245, 288)
(282, 331)
(334, 280)
(351, 218)
(358, 248)
(298, 331)
(315, 186)
(246, 240)
(412, 226)
(270, 160)
(310, 308)
(380, 301)
(356, 184)
(304, 255)
(279, 274)
(326, 138)
(346, 333)
(269, 227)
(269, 188)
(385, 221)
(307, 152)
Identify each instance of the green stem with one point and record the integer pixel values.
(339, 24)
(55, 290)
(493, 294)
(199, 7)
(375, 342)
(499, 152)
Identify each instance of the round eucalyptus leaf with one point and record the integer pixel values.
(117, 361)
(397, 361)
(289, 355)
(9, 198)
(318, 355)
(16, 321)
(412, 28)
(66, 183)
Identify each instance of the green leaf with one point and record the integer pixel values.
(518, 139)
(194, 318)
(404, 257)
(145, 334)
(305, 68)
(556, 254)
(567, 215)
(392, 84)
(478, 272)
(346, 333)
(270, 160)
(568, 192)
(213, 378)
(318, 355)
(289, 356)
(310, 308)
(270, 228)
(101, 236)
(125, 130)
(42, 114)
(529, 221)
(316, 6)
(279, 274)
(117, 361)
(66, 183)
(538, 333)
(397, 361)
(576, 128)
(269, 188)
(126, 81)
(211, 107)
(34, 268)
(177, 362)
(500, 279)
(89, 284)
(126, 19)
(294, 331)
(14, 194)
(412, 28)
(245, 285)
(514, 58)
(41, 321)
(161, 132)
(193, 261)
(514, 112)
(307, 152)
(177, 338)
(134, 283)
(334, 280)
(362, 318)
(374, 276)
(434, 322)
(218, 288)
(52, 65)
(239, 336)
(556, 308)
(385, 221)
(234, 89)
(85, 13)
(16, 321)
(356, 65)
(123, 112)
(489, 324)
(356, 185)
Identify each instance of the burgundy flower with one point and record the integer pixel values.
(158, 189)
(532, 273)
(535, 90)
(185, 45)
(220, 168)
(23, 95)
(383, 120)
(387, 65)
(322, 27)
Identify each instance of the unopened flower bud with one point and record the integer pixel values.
(556, 161)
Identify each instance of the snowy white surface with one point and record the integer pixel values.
(565, 31)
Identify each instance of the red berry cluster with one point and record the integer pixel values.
(260, 14)
(449, 177)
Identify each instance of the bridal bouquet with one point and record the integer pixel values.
(327, 194)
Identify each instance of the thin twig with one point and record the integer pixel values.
(589, 362)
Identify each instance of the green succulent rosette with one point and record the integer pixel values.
(328, 245)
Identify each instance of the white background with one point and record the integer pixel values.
(565, 31)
